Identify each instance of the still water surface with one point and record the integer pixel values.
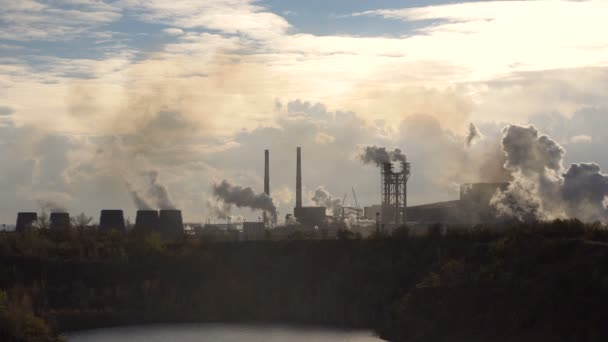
(220, 333)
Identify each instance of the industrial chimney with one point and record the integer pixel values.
(266, 179)
(267, 172)
(299, 180)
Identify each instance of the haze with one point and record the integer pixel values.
(101, 100)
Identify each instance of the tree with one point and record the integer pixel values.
(43, 221)
(81, 221)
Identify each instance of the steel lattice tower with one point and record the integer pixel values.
(394, 193)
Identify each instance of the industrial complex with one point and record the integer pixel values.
(472, 207)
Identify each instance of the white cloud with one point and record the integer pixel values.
(25, 20)
(583, 138)
(497, 37)
(323, 138)
(172, 31)
(228, 16)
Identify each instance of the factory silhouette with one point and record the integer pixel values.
(473, 207)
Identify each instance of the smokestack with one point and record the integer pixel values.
(60, 221)
(25, 221)
(171, 225)
(267, 172)
(110, 220)
(266, 178)
(299, 180)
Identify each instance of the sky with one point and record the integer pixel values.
(100, 100)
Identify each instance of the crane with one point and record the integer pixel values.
(355, 197)
(344, 204)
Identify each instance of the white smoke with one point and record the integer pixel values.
(472, 135)
(151, 193)
(540, 190)
(323, 198)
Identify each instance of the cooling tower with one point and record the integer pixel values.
(299, 179)
(170, 222)
(147, 220)
(111, 219)
(25, 220)
(60, 221)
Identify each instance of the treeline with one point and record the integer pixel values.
(544, 281)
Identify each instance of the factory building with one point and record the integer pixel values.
(473, 206)
(369, 213)
(253, 231)
(310, 216)
(219, 232)
(440, 212)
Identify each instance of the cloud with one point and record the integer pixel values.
(324, 138)
(172, 31)
(508, 33)
(227, 16)
(6, 110)
(26, 20)
(582, 138)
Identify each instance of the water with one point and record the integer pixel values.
(220, 333)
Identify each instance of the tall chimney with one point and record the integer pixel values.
(266, 179)
(299, 180)
(266, 172)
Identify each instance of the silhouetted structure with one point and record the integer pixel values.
(25, 221)
(266, 178)
(60, 221)
(310, 216)
(441, 212)
(394, 193)
(111, 220)
(369, 212)
(299, 179)
(147, 221)
(253, 231)
(267, 172)
(171, 225)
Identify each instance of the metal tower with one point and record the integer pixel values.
(394, 193)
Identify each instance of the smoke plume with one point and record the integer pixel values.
(380, 155)
(51, 206)
(220, 209)
(323, 198)
(151, 193)
(473, 134)
(243, 197)
(539, 189)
